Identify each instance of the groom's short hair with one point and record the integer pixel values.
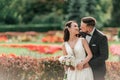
(90, 21)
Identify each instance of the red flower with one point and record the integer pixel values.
(52, 39)
(12, 55)
(3, 38)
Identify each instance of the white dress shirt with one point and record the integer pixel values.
(88, 38)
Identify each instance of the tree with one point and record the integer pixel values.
(24, 11)
(91, 7)
(100, 9)
(115, 15)
(12, 10)
(76, 10)
(4, 5)
(49, 10)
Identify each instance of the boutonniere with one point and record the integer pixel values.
(93, 45)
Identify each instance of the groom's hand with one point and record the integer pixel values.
(80, 66)
(86, 65)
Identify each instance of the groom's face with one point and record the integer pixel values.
(84, 27)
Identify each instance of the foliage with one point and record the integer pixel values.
(30, 27)
(11, 11)
(100, 9)
(50, 13)
(14, 67)
(53, 70)
(23, 11)
(27, 68)
(119, 34)
(115, 14)
(91, 7)
(106, 12)
(19, 68)
(113, 71)
(76, 10)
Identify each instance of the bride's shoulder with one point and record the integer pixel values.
(64, 43)
(81, 38)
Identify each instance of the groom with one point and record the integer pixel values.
(99, 46)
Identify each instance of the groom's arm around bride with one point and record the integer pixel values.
(99, 46)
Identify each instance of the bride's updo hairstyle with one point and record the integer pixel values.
(66, 31)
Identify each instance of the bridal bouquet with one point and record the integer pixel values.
(67, 60)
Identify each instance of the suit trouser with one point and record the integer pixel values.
(99, 78)
(98, 75)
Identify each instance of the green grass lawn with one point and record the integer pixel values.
(114, 42)
(26, 52)
(19, 52)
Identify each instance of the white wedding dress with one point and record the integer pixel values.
(79, 53)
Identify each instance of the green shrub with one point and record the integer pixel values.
(14, 67)
(30, 27)
(119, 34)
(26, 68)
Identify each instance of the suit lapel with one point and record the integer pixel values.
(93, 37)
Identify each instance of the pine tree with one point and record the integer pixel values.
(94, 11)
(115, 21)
(91, 7)
(76, 10)
(99, 9)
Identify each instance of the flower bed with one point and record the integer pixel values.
(53, 37)
(46, 49)
(14, 67)
(113, 71)
(115, 49)
(3, 38)
(31, 36)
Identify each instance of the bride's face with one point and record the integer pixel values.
(74, 28)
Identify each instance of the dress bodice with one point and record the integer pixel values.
(78, 51)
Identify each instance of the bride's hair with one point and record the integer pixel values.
(66, 31)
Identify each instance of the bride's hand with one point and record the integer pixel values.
(80, 66)
(72, 68)
(65, 67)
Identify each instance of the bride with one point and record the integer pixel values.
(78, 47)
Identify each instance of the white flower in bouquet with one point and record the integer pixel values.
(67, 60)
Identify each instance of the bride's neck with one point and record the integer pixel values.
(72, 38)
